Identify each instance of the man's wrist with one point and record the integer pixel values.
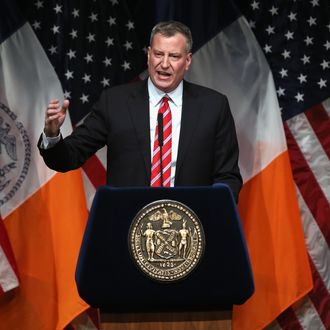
(49, 141)
(51, 134)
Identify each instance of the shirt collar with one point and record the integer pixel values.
(156, 95)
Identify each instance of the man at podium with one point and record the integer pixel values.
(163, 131)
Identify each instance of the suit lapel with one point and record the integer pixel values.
(138, 105)
(190, 115)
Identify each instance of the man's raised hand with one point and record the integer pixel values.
(55, 116)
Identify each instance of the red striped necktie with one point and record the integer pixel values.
(162, 155)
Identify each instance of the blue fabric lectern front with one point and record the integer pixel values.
(108, 278)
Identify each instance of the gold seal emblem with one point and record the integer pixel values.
(166, 240)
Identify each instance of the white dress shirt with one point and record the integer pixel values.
(155, 97)
(175, 103)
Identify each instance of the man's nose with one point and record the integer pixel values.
(165, 62)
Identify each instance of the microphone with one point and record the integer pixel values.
(160, 143)
(160, 129)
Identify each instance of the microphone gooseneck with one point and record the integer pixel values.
(160, 143)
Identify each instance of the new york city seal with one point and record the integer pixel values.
(15, 154)
(166, 240)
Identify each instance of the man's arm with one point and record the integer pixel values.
(226, 168)
(71, 153)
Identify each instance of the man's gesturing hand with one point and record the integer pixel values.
(55, 116)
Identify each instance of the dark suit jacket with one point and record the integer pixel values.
(208, 150)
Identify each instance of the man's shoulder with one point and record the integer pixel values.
(127, 88)
(201, 91)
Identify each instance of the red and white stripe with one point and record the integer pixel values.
(308, 136)
(8, 269)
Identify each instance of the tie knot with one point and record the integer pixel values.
(164, 104)
(165, 99)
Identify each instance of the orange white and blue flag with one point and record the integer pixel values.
(43, 214)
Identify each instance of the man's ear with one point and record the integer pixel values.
(148, 55)
(188, 61)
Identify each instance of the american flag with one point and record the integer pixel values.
(295, 37)
(97, 44)
(92, 45)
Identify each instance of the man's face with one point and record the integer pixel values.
(168, 61)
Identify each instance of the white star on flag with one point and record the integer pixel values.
(69, 74)
(299, 97)
(84, 98)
